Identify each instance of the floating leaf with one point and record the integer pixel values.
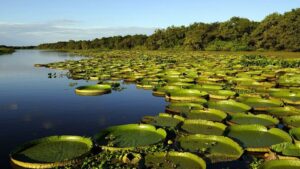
(174, 160)
(257, 136)
(216, 148)
(203, 127)
(129, 136)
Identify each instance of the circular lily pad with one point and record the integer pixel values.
(281, 164)
(206, 114)
(257, 136)
(287, 96)
(216, 148)
(283, 111)
(262, 104)
(295, 133)
(93, 90)
(221, 94)
(49, 152)
(229, 106)
(181, 107)
(287, 149)
(129, 136)
(174, 160)
(207, 87)
(163, 120)
(262, 119)
(161, 91)
(186, 94)
(198, 126)
(292, 121)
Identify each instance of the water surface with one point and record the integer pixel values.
(33, 105)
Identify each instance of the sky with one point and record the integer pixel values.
(31, 22)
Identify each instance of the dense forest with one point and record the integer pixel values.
(274, 32)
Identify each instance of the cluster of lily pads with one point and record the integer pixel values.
(219, 110)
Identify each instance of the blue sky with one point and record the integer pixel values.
(30, 22)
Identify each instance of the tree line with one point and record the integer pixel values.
(274, 32)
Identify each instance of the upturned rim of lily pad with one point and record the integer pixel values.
(215, 138)
(191, 156)
(26, 164)
(93, 90)
(146, 127)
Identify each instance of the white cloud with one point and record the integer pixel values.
(60, 30)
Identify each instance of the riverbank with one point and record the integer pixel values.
(4, 50)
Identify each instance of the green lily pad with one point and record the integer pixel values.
(287, 96)
(186, 94)
(216, 148)
(207, 87)
(289, 81)
(49, 152)
(181, 107)
(257, 136)
(262, 104)
(287, 149)
(161, 91)
(221, 94)
(129, 136)
(207, 114)
(283, 111)
(93, 90)
(174, 160)
(281, 164)
(229, 106)
(295, 133)
(197, 126)
(163, 120)
(292, 121)
(262, 119)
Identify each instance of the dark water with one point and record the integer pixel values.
(34, 106)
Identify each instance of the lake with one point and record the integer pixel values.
(32, 105)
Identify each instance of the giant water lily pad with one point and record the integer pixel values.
(287, 149)
(289, 80)
(129, 136)
(197, 126)
(281, 164)
(295, 133)
(163, 120)
(229, 106)
(257, 136)
(221, 94)
(262, 104)
(182, 107)
(292, 121)
(283, 111)
(216, 148)
(186, 94)
(207, 87)
(161, 91)
(207, 114)
(51, 151)
(174, 160)
(288, 96)
(262, 119)
(93, 90)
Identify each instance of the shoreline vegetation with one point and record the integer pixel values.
(6, 50)
(277, 32)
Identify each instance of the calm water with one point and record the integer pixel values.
(33, 105)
